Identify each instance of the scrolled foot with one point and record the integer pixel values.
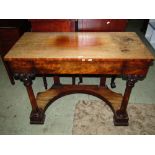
(121, 119)
(37, 117)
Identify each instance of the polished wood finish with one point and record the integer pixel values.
(102, 25)
(44, 99)
(58, 67)
(80, 54)
(80, 46)
(85, 25)
(52, 25)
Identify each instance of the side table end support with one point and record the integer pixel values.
(121, 116)
(37, 115)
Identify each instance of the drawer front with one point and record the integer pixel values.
(8, 37)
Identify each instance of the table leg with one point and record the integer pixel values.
(37, 115)
(10, 75)
(112, 84)
(45, 82)
(56, 82)
(102, 81)
(73, 80)
(121, 116)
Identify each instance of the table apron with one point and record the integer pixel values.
(139, 67)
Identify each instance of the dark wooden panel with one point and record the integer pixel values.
(22, 24)
(5, 46)
(8, 37)
(53, 25)
(107, 25)
(9, 33)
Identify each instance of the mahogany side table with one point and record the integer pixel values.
(79, 53)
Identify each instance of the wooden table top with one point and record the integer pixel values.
(79, 45)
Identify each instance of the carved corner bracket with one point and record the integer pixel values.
(26, 78)
(132, 79)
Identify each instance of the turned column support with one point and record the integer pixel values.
(103, 81)
(27, 78)
(45, 82)
(37, 115)
(56, 83)
(121, 116)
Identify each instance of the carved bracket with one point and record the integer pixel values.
(132, 79)
(26, 78)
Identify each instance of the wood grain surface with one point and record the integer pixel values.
(112, 98)
(113, 53)
(82, 45)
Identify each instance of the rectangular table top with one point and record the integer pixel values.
(79, 45)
